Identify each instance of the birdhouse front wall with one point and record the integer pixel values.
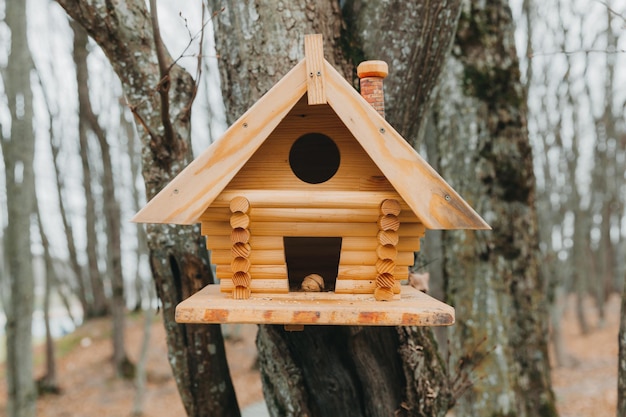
(312, 191)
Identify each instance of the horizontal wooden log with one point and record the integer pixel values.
(256, 271)
(277, 257)
(301, 198)
(280, 286)
(311, 229)
(290, 214)
(257, 257)
(370, 258)
(362, 243)
(368, 272)
(239, 204)
(360, 286)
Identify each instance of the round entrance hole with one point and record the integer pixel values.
(314, 158)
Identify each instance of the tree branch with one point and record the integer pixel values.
(164, 83)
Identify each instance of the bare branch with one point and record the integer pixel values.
(164, 84)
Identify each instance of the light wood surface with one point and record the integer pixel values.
(280, 286)
(366, 243)
(277, 256)
(296, 214)
(414, 308)
(305, 198)
(310, 229)
(360, 286)
(256, 271)
(314, 58)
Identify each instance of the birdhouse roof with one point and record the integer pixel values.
(188, 195)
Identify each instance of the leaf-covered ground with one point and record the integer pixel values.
(586, 389)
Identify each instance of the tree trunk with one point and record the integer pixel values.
(48, 383)
(99, 305)
(621, 367)
(18, 152)
(328, 370)
(177, 256)
(112, 213)
(492, 277)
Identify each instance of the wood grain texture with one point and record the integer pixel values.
(368, 243)
(310, 229)
(414, 308)
(305, 198)
(307, 214)
(270, 169)
(314, 58)
(361, 286)
(259, 285)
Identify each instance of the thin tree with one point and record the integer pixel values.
(48, 383)
(177, 257)
(99, 303)
(18, 152)
(111, 210)
(621, 364)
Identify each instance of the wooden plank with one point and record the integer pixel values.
(430, 197)
(316, 214)
(223, 242)
(256, 271)
(305, 198)
(277, 256)
(370, 258)
(360, 286)
(314, 58)
(414, 308)
(311, 229)
(269, 167)
(348, 243)
(280, 286)
(192, 191)
(257, 257)
(368, 272)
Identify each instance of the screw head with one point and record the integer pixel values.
(448, 198)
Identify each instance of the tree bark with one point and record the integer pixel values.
(99, 304)
(111, 209)
(621, 367)
(18, 152)
(48, 382)
(335, 370)
(414, 39)
(492, 277)
(177, 256)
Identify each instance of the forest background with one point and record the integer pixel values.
(89, 261)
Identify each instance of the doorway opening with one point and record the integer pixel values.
(312, 255)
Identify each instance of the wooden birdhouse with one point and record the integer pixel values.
(313, 206)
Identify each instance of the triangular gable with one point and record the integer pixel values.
(196, 187)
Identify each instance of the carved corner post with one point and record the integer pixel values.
(388, 224)
(240, 238)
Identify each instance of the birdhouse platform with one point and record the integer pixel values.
(411, 308)
(313, 206)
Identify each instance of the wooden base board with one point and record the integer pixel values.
(414, 308)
